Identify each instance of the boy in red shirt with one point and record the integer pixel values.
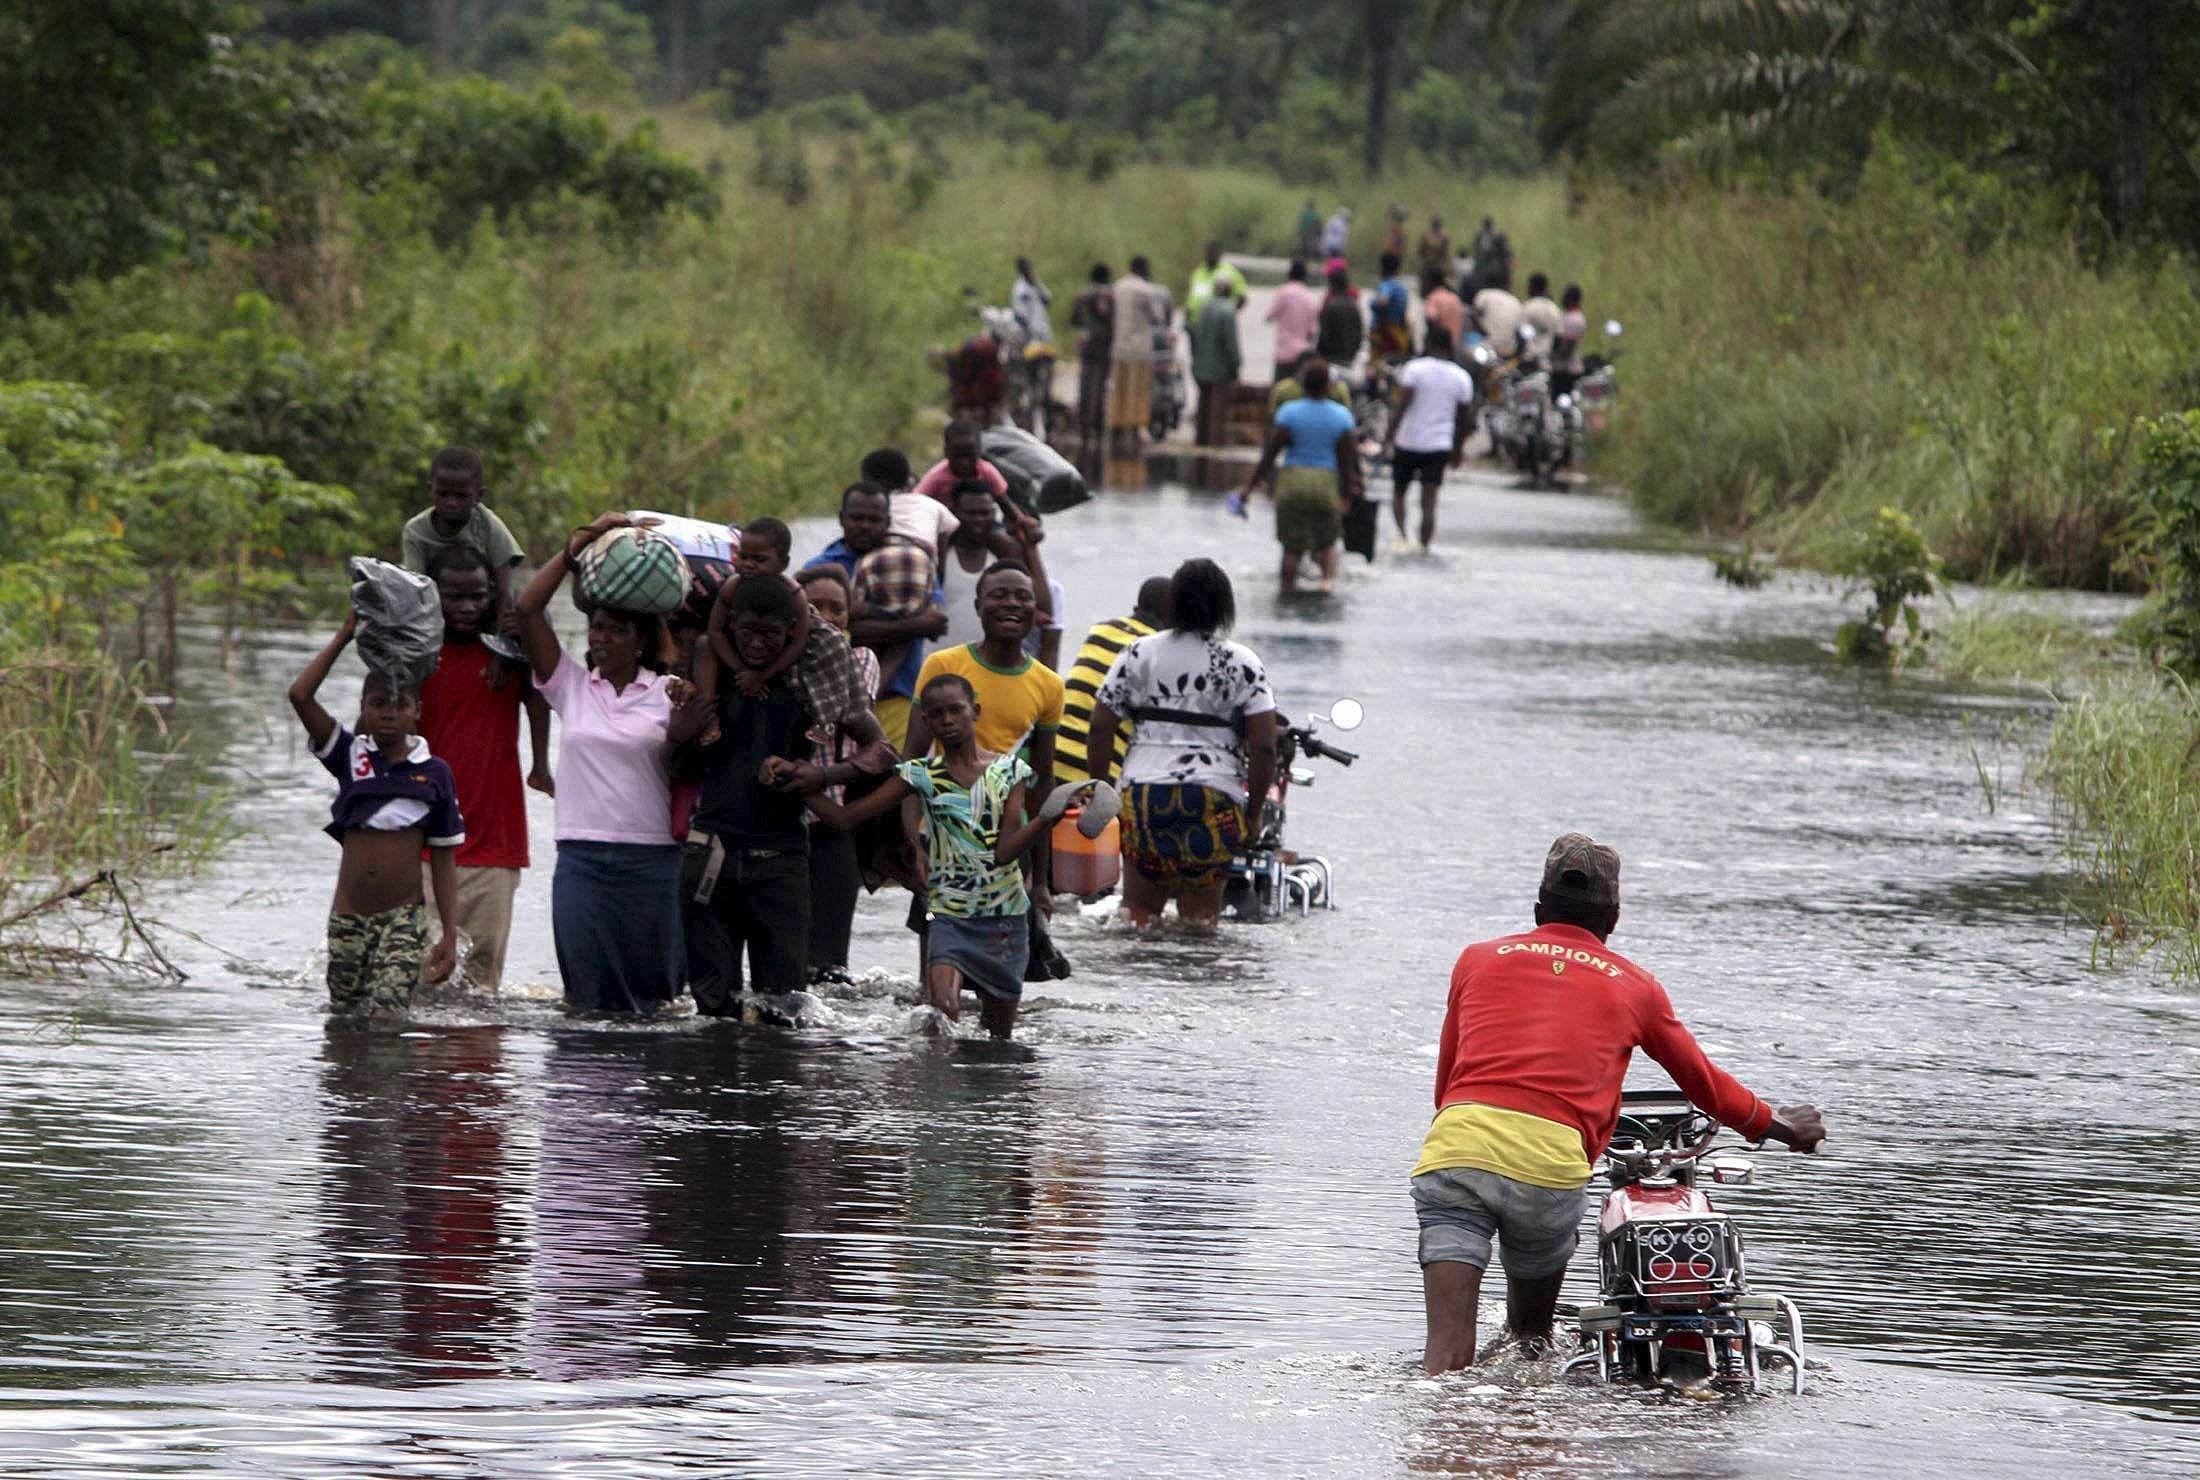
(1537, 1036)
(469, 715)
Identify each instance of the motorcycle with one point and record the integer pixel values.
(1674, 1293)
(1000, 369)
(1371, 402)
(1527, 426)
(1599, 383)
(1266, 878)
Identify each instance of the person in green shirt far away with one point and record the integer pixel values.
(1212, 270)
(1216, 361)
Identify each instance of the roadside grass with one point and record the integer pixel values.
(2124, 764)
(95, 794)
(1796, 362)
(1995, 640)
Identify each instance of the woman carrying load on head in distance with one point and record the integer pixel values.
(1202, 756)
(615, 896)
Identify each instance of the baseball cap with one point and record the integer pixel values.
(1581, 870)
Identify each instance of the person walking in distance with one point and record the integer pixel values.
(1215, 364)
(1142, 311)
(1429, 433)
(1317, 443)
(1092, 315)
(1296, 311)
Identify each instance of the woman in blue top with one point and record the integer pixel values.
(1320, 449)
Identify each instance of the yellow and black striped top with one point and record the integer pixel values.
(1080, 686)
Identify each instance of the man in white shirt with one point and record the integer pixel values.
(1539, 311)
(1429, 433)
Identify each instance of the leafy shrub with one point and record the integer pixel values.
(471, 146)
(2169, 549)
(1890, 562)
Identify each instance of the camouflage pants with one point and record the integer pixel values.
(373, 960)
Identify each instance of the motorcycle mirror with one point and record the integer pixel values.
(1346, 714)
(1611, 328)
(1482, 355)
(1733, 1171)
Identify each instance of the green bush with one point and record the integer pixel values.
(2169, 550)
(1795, 361)
(460, 149)
(1888, 561)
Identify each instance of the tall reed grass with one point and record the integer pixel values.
(2125, 766)
(90, 780)
(1797, 361)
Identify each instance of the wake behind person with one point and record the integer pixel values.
(1537, 1035)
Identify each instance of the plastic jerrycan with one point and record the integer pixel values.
(1086, 866)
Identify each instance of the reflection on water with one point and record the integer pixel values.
(1166, 1231)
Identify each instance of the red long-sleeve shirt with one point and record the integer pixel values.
(1544, 1023)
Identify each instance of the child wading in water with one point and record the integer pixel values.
(392, 797)
(978, 936)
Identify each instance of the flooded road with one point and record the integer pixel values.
(1169, 1232)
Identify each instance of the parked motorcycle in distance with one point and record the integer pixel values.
(1598, 387)
(1166, 401)
(1675, 1301)
(1267, 878)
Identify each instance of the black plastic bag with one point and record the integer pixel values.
(400, 631)
(1039, 478)
(1359, 527)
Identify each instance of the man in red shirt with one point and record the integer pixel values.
(469, 715)
(1536, 1041)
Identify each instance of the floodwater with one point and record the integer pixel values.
(1168, 1233)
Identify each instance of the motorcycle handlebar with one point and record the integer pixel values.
(1313, 745)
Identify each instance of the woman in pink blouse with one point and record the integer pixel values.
(615, 897)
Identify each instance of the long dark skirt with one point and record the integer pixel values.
(615, 916)
(836, 880)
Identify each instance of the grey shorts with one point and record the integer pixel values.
(1462, 1208)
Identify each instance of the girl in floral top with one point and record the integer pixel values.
(975, 830)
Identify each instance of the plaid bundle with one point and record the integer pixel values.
(895, 580)
(634, 570)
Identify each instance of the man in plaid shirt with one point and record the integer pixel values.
(862, 543)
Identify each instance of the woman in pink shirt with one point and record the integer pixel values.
(615, 896)
(1296, 312)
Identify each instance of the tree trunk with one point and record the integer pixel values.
(446, 36)
(2136, 64)
(1379, 22)
(676, 47)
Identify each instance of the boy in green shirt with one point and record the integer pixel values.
(457, 516)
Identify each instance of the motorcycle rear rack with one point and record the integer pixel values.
(1279, 882)
(1598, 1342)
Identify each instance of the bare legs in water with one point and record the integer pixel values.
(1449, 1290)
